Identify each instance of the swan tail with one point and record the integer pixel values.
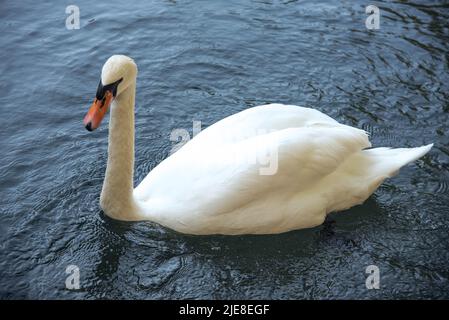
(365, 171)
(388, 161)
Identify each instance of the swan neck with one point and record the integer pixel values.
(117, 193)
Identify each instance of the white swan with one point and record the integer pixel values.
(220, 182)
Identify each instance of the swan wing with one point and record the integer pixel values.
(257, 121)
(215, 181)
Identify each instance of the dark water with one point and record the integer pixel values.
(204, 60)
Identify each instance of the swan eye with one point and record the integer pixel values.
(112, 87)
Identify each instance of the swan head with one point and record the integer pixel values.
(117, 74)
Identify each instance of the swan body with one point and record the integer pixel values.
(268, 169)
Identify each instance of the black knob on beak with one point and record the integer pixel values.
(89, 126)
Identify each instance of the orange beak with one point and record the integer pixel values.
(97, 111)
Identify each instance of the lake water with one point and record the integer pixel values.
(202, 61)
